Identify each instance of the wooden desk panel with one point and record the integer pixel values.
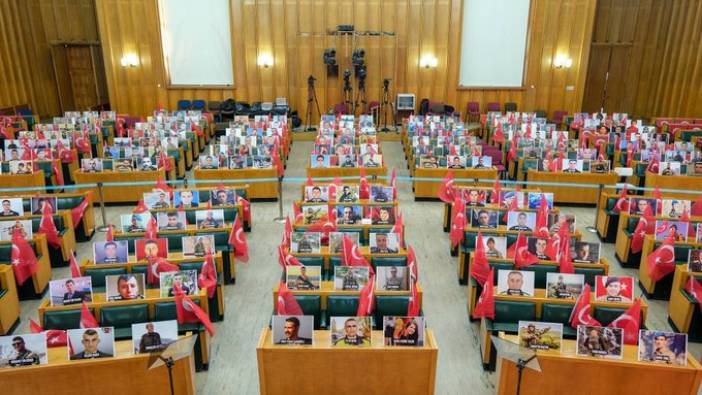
(106, 375)
(322, 369)
(680, 309)
(653, 180)
(35, 179)
(598, 376)
(430, 189)
(572, 194)
(326, 288)
(230, 177)
(332, 172)
(9, 303)
(122, 193)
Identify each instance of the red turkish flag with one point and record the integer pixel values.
(208, 275)
(622, 204)
(164, 161)
(237, 239)
(151, 228)
(140, 208)
(657, 193)
(87, 319)
(285, 258)
(565, 263)
(458, 222)
(109, 236)
(399, 228)
(297, 213)
(197, 129)
(522, 256)
(366, 298)
(653, 165)
(75, 269)
(352, 254)
(364, 189)
(446, 188)
(512, 153)
(24, 261)
(629, 321)
(581, 311)
(277, 163)
(48, 227)
(541, 228)
(287, 304)
(78, 211)
(163, 185)
(246, 207)
(188, 312)
(480, 269)
(553, 247)
(54, 337)
(496, 189)
(393, 182)
(513, 206)
(412, 264)
(694, 288)
(485, 306)
(158, 265)
(287, 232)
(309, 181)
(661, 261)
(499, 135)
(413, 307)
(696, 208)
(640, 232)
(57, 172)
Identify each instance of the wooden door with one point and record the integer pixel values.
(80, 76)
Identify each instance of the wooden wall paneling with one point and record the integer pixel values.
(414, 42)
(318, 43)
(14, 90)
(264, 45)
(238, 52)
(278, 37)
(292, 55)
(695, 71)
(401, 27)
(453, 57)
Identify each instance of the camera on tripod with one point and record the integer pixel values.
(386, 83)
(311, 80)
(362, 72)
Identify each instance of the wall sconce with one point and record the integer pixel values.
(129, 60)
(562, 61)
(265, 60)
(428, 61)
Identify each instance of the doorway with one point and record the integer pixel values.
(80, 76)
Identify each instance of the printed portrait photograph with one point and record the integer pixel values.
(350, 278)
(402, 331)
(614, 288)
(382, 215)
(391, 278)
(537, 335)
(524, 221)
(8, 228)
(675, 229)
(495, 246)
(564, 285)
(198, 245)
(173, 220)
(384, 243)
(381, 193)
(484, 218)
(70, 291)
(585, 252)
(350, 331)
(153, 336)
(668, 348)
(336, 240)
(11, 207)
(135, 222)
(91, 343)
(600, 342)
(39, 202)
(207, 219)
(305, 242)
(303, 277)
(317, 194)
(515, 282)
(314, 213)
(186, 279)
(348, 215)
(151, 248)
(291, 330)
(23, 350)
(125, 286)
(186, 198)
(110, 251)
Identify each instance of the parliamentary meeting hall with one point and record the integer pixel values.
(351, 197)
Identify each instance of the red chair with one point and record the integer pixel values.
(493, 106)
(341, 108)
(559, 117)
(472, 111)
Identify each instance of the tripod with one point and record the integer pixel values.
(348, 92)
(311, 97)
(384, 104)
(361, 96)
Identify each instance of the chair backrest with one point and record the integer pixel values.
(124, 316)
(198, 104)
(97, 274)
(437, 108)
(342, 305)
(510, 106)
(493, 106)
(556, 312)
(605, 315)
(311, 305)
(473, 107)
(184, 104)
(512, 311)
(390, 305)
(63, 319)
(341, 108)
(214, 105)
(559, 115)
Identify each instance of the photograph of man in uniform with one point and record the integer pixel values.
(512, 282)
(380, 244)
(600, 342)
(71, 295)
(614, 288)
(391, 278)
(21, 355)
(7, 210)
(522, 221)
(351, 334)
(668, 348)
(540, 335)
(347, 195)
(314, 195)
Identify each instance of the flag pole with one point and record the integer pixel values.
(280, 219)
(105, 226)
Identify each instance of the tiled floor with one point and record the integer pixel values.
(249, 303)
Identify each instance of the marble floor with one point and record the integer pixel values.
(248, 303)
